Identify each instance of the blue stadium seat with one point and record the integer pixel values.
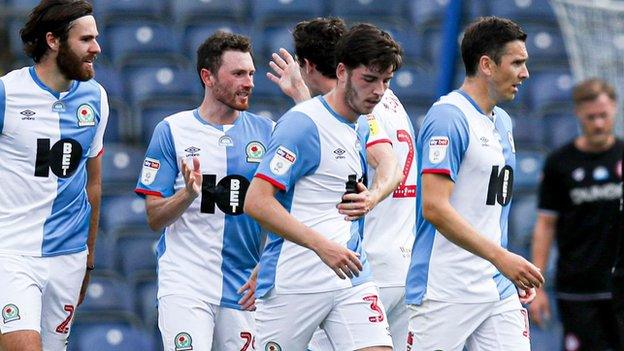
(523, 10)
(196, 34)
(121, 165)
(146, 290)
(113, 132)
(413, 85)
(128, 40)
(156, 83)
(416, 112)
(152, 114)
(130, 9)
(195, 11)
(15, 41)
(427, 13)
(560, 128)
(545, 44)
(528, 169)
(136, 253)
(521, 222)
(411, 43)
(369, 10)
(107, 294)
(104, 253)
(267, 11)
(20, 8)
(528, 130)
(109, 78)
(264, 89)
(122, 211)
(273, 38)
(115, 338)
(550, 90)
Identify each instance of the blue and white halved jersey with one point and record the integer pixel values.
(210, 251)
(312, 155)
(45, 140)
(477, 153)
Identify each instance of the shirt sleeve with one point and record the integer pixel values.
(293, 152)
(550, 192)
(160, 167)
(377, 133)
(2, 105)
(444, 139)
(97, 145)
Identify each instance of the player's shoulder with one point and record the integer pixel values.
(17, 76)
(257, 119)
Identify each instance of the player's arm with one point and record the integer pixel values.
(388, 175)
(94, 196)
(287, 75)
(261, 204)
(437, 209)
(162, 211)
(543, 236)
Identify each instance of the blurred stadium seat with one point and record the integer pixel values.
(545, 45)
(194, 35)
(129, 9)
(427, 13)
(560, 128)
(115, 338)
(414, 85)
(196, 11)
(129, 40)
(105, 253)
(368, 10)
(521, 222)
(523, 10)
(136, 253)
(157, 83)
(528, 130)
(126, 210)
(271, 11)
(107, 295)
(411, 42)
(550, 90)
(145, 291)
(121, 165)
(528, 169)
(273, 37)
(271, 109)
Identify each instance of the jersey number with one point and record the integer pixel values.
(63, 328)
(500, 188)
(62, 158)
(375, 307)
(228, 194)
(405, 190)
(250, 341)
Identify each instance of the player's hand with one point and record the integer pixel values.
(248, 301)
(356, 205)
(340, 259)
(526, 296)
(192, 177)
(539, 310)
(520, 271)
(287, 75)
(84, 287)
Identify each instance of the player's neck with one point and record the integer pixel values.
(336, 100)
(479, 92)
(327, 84)
(583, 144)
(48, 72)
(217, 113)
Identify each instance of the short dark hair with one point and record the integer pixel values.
(590, 89)
(488, 36)
(210, 52)
(366, 44)
(316, 39)
(55, 16)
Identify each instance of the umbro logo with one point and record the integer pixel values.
(484, 141)
(28, 115)
(192, 151)
(339, 153)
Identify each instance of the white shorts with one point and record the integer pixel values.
(40, 294)
(353, 318)
(393, 299)
(490, 326)
(187, 323)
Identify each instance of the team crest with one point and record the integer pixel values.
(10, 313)
(85, 115)
(272, 346)
(183, 342)
(255, 150)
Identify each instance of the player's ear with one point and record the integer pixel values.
(486, 65)
(52, 41)
(341, 71)
(207, 77)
